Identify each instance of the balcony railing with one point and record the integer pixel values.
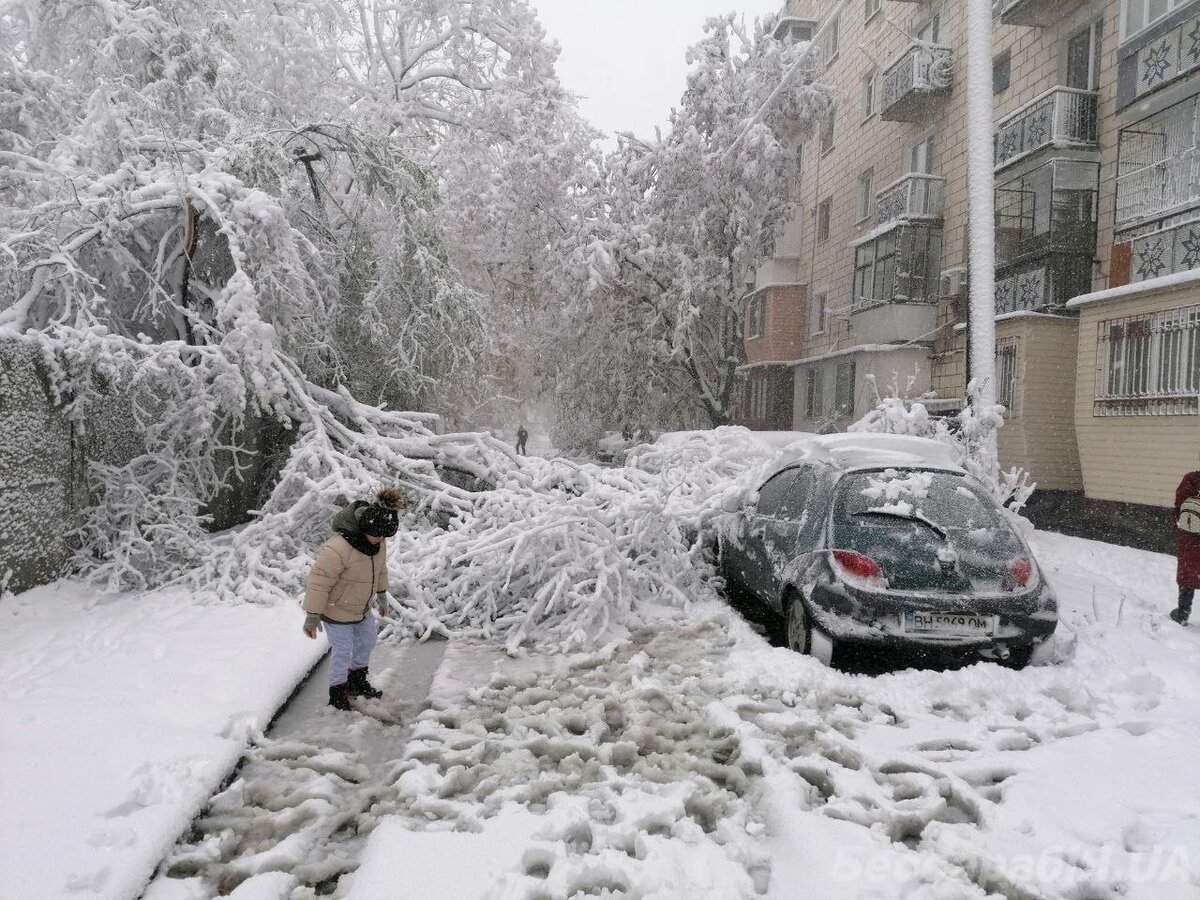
(914, 196)
(1158, 187)
(1042, 284)
(1061, 116)
(1165, 252)
(1158, 164)
(923, 72)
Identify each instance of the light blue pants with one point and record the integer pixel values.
(350, 646)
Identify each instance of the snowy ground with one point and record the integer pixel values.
(693, 760)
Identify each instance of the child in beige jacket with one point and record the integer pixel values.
(350, 571)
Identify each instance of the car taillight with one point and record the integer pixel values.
(1020, 571)
(857, 565)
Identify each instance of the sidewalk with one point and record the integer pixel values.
(119, 717)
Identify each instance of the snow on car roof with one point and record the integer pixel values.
(860, 450)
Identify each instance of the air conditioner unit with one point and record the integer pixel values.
(953, 282)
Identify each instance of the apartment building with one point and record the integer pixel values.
(1097, 194)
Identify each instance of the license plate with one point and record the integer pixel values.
(948, 623)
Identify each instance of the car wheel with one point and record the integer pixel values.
(799, 628)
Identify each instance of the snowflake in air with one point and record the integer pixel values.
(1150, 260)
(1158, 61)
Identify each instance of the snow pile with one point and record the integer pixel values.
(969, 433)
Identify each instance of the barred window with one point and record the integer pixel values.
(1149, 365)
(1006, 374)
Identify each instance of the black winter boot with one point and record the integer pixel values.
(359, 686)
(339, 696)
(1183, 612)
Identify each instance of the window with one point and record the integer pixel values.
(843, 395)
(827, 134)
(871, 7)
(1006, 374)
(1002, 72)
(829, 41)
(928, 33)
(919, 157)
(824, 216)
(1083, 58)
(868, 93)
(756, 401)
(902, 265)
(798, 496)
(756, 315)
(771, 494)
(866, 194)
(817, 310)
(1140, 14)
(1149, 365)
(814, 399)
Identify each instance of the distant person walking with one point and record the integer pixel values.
(350, 570)
(1187, 544)
(522, 437)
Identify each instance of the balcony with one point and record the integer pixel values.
(914, 196)
(1061, 117)
(1034, 13)
(912, 82)
(1049, 210)
(1042, 284)
(901, 265)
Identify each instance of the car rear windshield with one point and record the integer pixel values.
(926, 530)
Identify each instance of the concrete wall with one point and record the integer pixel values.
(884, 365)
(783, 327)
(1039, 431)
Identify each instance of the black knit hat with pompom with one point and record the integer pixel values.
(380, 519)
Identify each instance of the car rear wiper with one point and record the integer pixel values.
(912, 517)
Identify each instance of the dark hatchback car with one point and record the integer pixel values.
(888, 543)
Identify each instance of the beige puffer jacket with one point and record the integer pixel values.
(343, 580)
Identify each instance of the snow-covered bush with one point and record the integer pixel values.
(967, 431)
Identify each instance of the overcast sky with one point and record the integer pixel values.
(625, 58)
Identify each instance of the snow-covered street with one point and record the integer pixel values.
(691, 760)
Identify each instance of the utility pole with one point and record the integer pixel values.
(981, 332)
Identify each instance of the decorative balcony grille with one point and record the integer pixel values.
(1042, 284)
(914, 196)
(1156, 58)
(1158, 163)
(1060, 116)
(1165, 252)
(922, 72)
(1149, 365)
